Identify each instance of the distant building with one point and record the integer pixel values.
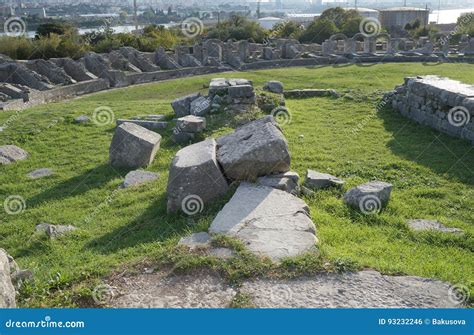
(366, 12)
(400, 16)
(304, 19)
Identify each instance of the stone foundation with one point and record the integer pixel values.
(440, 103)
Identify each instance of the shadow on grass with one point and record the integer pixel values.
(90, 179)
(153, 225)
(156, 225)
(439, 152)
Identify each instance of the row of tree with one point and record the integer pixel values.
(61, 39)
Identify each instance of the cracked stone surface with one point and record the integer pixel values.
(11, 153)
(158, 290)
(139, 177)
(364, 289)
(205, 289)
(40, 173)
(430, 225)
(316, 180)
(270, 222)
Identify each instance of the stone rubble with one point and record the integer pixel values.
(430, 225)
(11, 154)
(133, 146)
(316, 180)
(139, 177)
(40, 173)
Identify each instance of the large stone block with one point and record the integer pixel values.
(133, 146)
(241, 91)
(7, 291)
(191, 124)
(268, 221)
(195, 178)
(138, 59)
(11, 153)
(51, 71)
(15, 73)
(370, 197)
(182, 105)
(256, 149)
(200, 106)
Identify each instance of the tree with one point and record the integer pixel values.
(318, 31)
(55, 27)
(288, 29)
(238, 27)
(339, 16)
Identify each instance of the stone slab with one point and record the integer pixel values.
(270, 222)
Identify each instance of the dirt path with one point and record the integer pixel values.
(364, 289)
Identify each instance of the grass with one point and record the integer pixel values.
(432, 174)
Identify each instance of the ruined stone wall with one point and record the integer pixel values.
(440, 103)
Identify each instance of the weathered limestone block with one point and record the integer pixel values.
(7, 290)
(139, 177)
(13, 91)
(148, 124)
(55, 231)
(317, 180)
(270, 222)
(195, 178)
(40, 173)
(430, 225)
(165, 61)
(196, 241)
(138, 59)
(15, 73)
(253, 150)
(11, 153)
(98, 65)
(51, 71)
(274, 86)
(181, 137)
(119, 62)
(133, 146)
(187, 60)
(191, 124)
(370, 197)
(241, 91)
(200, 106)
(287, 181)
(76, 70)
(182, 105)
(218, 86)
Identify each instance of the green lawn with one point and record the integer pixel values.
(432, 174)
